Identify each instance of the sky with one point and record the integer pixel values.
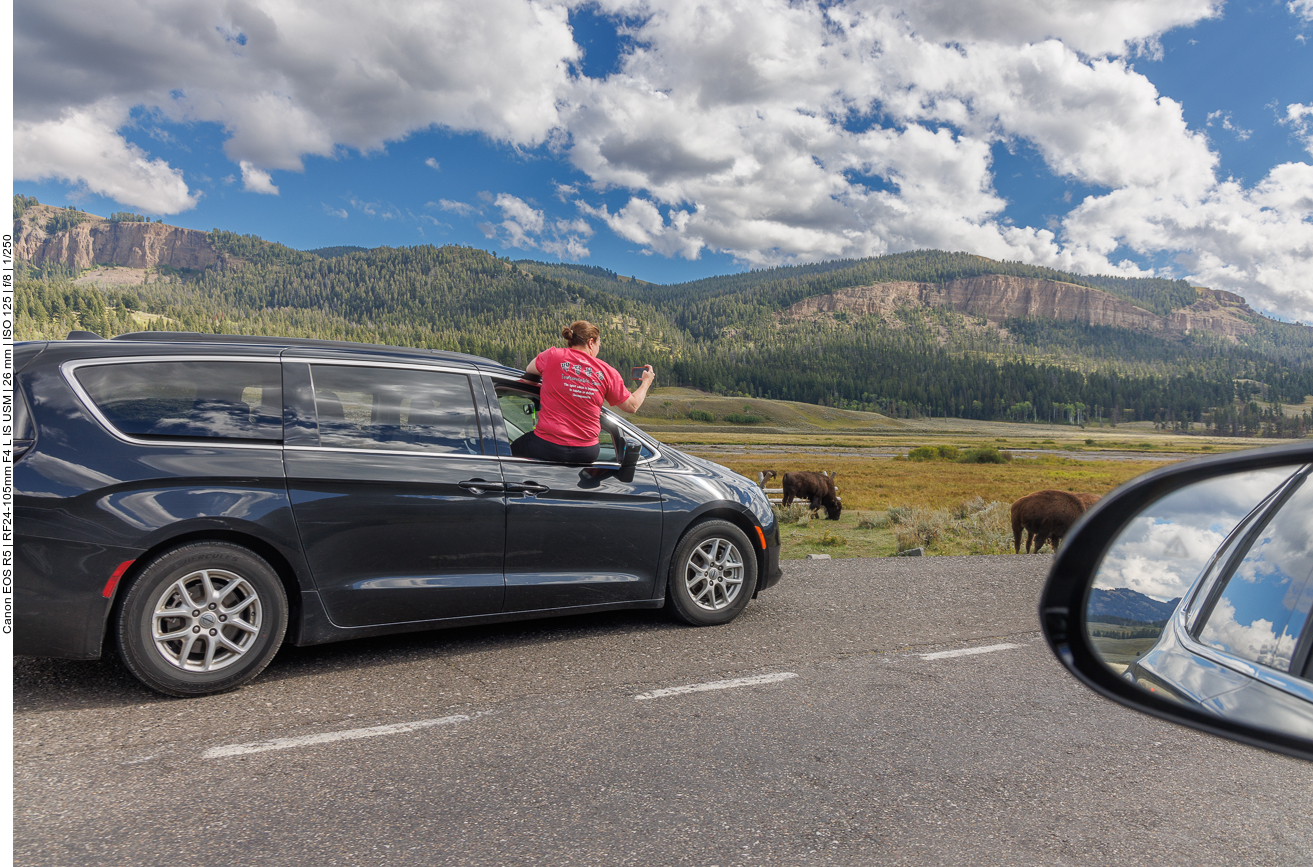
(677, 139)
(1161, 552)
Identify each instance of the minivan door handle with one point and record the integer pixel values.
(478, 486)
(527, 488)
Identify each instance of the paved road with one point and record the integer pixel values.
(529, 744)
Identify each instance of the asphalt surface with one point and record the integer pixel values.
(529, 744)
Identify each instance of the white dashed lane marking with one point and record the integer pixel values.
(969, 651)
(717, 684)
(329, 737)
(403, 728)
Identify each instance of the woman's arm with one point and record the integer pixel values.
(532, 369)
(640, 394)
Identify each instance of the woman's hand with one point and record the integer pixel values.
(636, 399)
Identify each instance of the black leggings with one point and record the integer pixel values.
(536, 448)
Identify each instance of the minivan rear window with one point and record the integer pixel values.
(232, 400)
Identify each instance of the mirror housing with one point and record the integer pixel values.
(629, 461)
(1064, 601)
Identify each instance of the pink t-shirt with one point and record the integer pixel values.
(574, 386)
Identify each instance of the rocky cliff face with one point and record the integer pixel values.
(997, 297)
(97, 241)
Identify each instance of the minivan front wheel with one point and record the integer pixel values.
(712, 575)
(202, 618)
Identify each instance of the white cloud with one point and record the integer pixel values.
(1300, 117)
(82, 147)
(1223, 119)
(256, 180)
(340, 213)
(1301, 8)
(433, 164)
(520, 220)
(571, 247)
(456, 207)
(1257, 641)
(526, 227)
(286, 79)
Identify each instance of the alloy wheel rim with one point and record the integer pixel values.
(206, 620)
(714, 574)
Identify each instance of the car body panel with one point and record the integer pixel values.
(590, 538)
(444, 544)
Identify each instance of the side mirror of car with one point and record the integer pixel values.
(629, 461)
(1186, 594)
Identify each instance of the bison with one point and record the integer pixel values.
(817, 489)
(765, 476)
(1047, 516)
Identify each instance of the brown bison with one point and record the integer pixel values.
(765, 476)
(1047, 516)
(817, 489)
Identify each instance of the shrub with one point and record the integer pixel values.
(933, 453)
(921, 529)
(987, 530)
(794, 513)
(899, 514)
(985, 455)
(873, 522)
(831, 540)
(740, 418)
(700, 415)
(968, 508)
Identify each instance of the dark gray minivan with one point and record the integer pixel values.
(195, 500)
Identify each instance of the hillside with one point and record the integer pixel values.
(905, 336)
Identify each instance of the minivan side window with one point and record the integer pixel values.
(232, 400)
(395, 409)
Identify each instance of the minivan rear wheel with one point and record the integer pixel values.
(712, 575)
(202, 618)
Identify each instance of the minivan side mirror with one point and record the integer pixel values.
(628, 462)
(1141, 606)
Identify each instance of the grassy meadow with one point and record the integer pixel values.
(891, 503)
(876, 483)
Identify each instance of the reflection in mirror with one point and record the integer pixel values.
(1203, 597)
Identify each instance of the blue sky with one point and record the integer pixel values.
(676, 139)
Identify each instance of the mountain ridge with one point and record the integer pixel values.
(94, 241)
(998, 297)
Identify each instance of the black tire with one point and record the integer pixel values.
(712, 575)
(231, 627)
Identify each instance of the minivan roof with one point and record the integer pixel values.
(309, 343)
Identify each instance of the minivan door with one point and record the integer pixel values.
(401, 514)
(575, 535)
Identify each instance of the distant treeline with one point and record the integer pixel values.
(722, 338)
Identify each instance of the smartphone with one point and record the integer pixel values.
(637, 372)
